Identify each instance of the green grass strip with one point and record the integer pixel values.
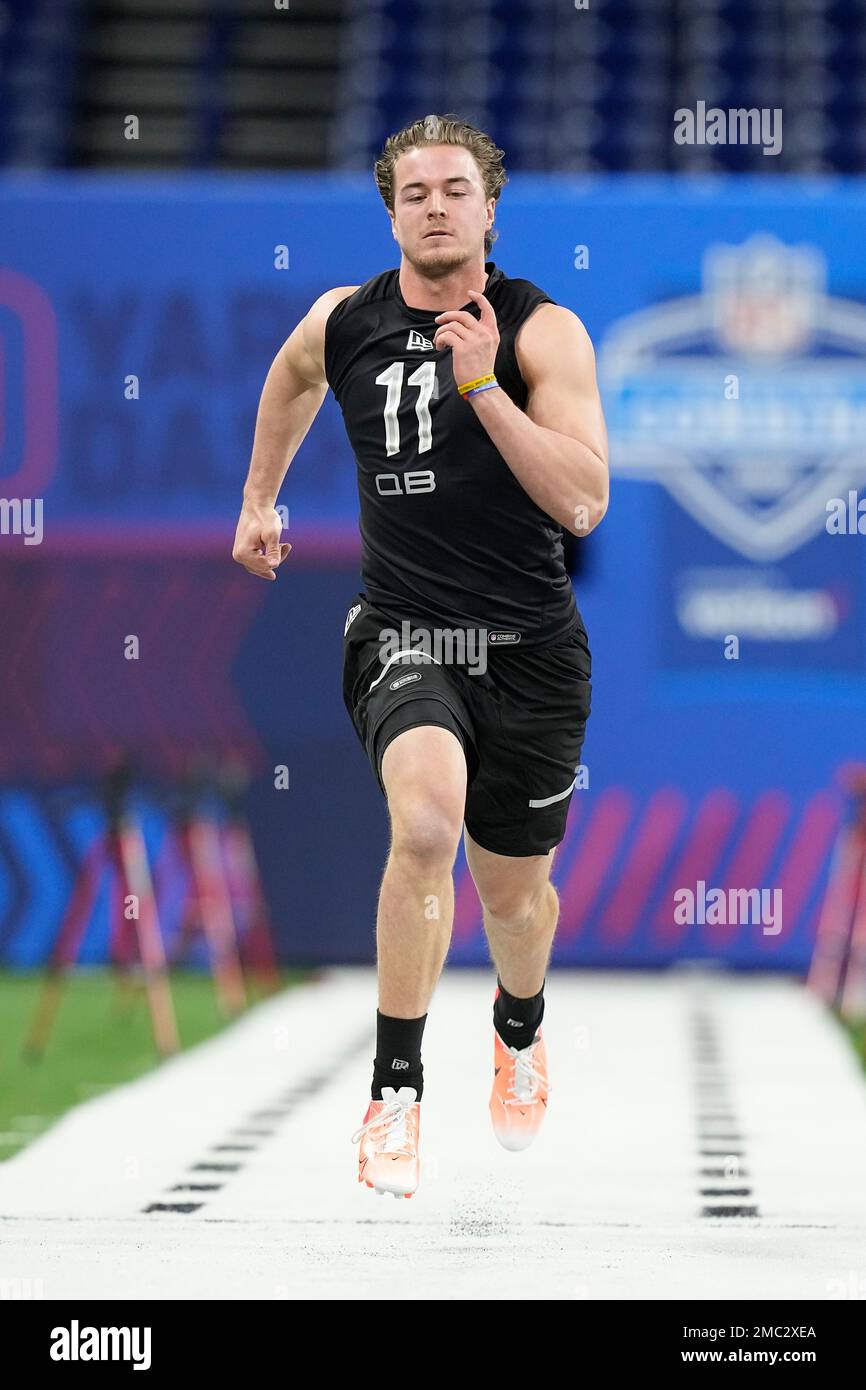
(102, 1037)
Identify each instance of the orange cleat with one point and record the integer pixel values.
(388, 1157)
(518, 1101)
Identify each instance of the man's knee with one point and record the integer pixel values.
(425, 831)
(516, 909)
(424, 771)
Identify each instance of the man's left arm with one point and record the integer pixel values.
(557, 447)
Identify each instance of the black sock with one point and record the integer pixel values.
(398, 1054)
(516, 1020)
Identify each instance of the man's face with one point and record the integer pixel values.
(440, 212)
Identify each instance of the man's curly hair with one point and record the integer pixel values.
(443, 130)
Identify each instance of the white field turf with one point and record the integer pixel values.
(605, 1205)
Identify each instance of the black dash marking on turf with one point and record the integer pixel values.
(184, 1207)
(716, 1121)
(315, 1083)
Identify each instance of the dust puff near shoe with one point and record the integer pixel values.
(518, 1101)
(388, 1158)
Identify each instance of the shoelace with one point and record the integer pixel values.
(526, 1077)
(391, 1120)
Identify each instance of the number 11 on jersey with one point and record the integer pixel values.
(423, 377)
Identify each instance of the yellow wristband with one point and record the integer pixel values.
(479, 381)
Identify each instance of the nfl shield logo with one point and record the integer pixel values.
(747, 401)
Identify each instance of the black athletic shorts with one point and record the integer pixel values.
(521, 721)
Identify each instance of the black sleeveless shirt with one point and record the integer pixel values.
(450, 538)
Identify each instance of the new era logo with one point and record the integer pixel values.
(417, 340)
(399, 1065)
(351, 616)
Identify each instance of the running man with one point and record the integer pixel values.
(471, 405)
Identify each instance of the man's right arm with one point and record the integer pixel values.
(292, 395)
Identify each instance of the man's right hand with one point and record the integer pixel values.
(257, 540)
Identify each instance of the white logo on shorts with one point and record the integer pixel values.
(404, 680)
(503, 636)
(351, 616)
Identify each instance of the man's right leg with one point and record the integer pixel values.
(424, 774)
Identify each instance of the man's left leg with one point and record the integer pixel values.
(521, 909)
(529, 715)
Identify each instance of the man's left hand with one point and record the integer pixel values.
(473, 342)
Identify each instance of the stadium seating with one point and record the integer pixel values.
(322, 82)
